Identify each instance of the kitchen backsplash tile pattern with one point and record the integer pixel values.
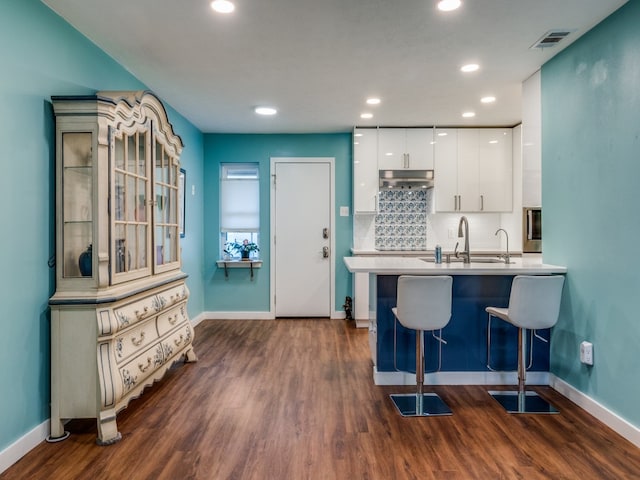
(401, 223)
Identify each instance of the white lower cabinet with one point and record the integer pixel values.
(104, 354)
(473, 170)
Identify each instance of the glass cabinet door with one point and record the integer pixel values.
(166, 171)
(131, 233)
(77, 204)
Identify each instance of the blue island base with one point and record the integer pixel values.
(466, 333)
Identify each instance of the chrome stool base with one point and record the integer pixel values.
(415, 405)
(522, 402)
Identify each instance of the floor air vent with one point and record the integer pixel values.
(551, 38)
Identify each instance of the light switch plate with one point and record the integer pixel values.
(344, 211)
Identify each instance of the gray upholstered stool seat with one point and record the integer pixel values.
(534, 304)
(423, 304)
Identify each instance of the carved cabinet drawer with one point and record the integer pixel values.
(173, 296)
(167, 321)
(136, 371)
(145, 308)
(137, 311)
(133, 340)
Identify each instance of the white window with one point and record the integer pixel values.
(239, 205)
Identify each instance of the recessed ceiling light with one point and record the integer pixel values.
(358, 135)
(448, 5)
(442, 134)
(468, 114)
(373, 101)
(366, 115)
(265, 110)
(488, 99)
(223, 6)
(493, 141)
(471, 67)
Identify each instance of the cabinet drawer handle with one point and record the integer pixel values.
(178, 342)
(481, 202)
(138, 342)
(173, 320)
(141, 315)
(143, 368)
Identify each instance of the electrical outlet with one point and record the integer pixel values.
(452, 233)
(586, 353)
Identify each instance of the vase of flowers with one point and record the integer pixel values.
(245, 248)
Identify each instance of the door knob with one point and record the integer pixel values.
(325, 252)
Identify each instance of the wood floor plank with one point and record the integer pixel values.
(294, 399)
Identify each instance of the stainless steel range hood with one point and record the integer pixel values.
(406, 179)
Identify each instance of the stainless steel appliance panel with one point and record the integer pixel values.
(532, 230)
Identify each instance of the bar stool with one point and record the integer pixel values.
(534, 304)
(423, 303)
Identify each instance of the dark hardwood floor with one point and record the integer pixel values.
(295, 399)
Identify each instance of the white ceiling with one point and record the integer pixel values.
(318, 60)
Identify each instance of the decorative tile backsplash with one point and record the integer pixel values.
(401, 223)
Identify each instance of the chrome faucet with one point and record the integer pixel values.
(466, 258)
(506, 256)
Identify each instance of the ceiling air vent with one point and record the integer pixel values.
(551, 38)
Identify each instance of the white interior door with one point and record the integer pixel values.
(302, 237)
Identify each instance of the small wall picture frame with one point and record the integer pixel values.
(182, 178)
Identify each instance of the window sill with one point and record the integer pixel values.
(227, 264)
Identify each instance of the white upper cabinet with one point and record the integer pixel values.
(473, 170)
(469, 199)
(405, 148)
(365, 170)
(531, 142)
(446, 170)
(495, 169)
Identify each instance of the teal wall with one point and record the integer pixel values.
(237, 292)
(41, 55)
(591, 201)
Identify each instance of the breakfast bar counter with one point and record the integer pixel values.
(485, 281)
(401, 265)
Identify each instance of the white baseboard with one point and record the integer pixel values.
(459, 378)
(23, 445)
(237, 316)
(198, 319)
(336, 314)
(599, 411)
(362, 323)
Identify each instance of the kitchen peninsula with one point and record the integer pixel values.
(476, 285)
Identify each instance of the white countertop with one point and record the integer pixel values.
(421, 253)
(400, 265)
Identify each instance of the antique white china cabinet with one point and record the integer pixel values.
(119, 314)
